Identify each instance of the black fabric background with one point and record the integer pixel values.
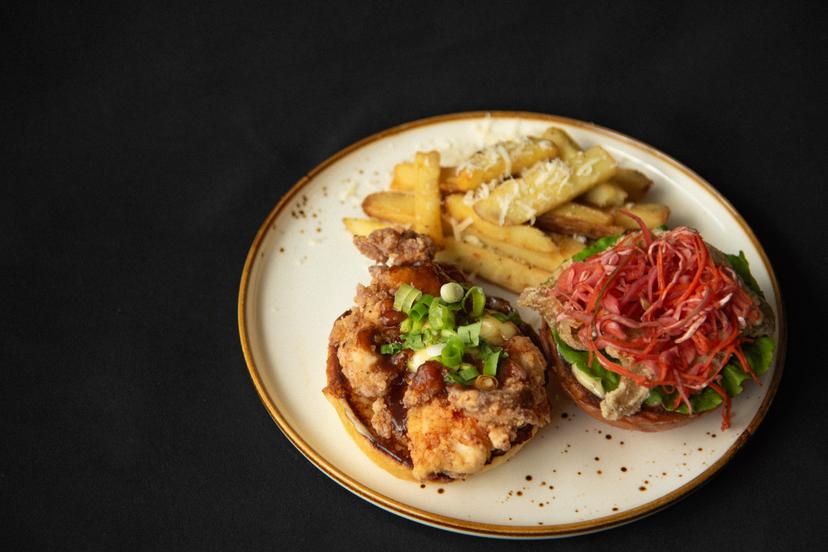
(144, 145)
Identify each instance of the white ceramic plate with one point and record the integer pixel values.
(578, 475)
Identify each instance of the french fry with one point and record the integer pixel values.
(405, 177)
(635, 183)
(363, 227)
(567, 245)
(574, 218)
(525, 237)
(489, 265)
(568, 148)
(653, 215)
(427, 217)
(545, 186)
(605, 194)
(392, 206)
(547, 261)
(499, 160)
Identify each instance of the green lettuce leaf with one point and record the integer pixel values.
(579, 358)
(742, 267)
(759, 355)
(601, 244)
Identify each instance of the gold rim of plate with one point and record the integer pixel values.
(488, 529)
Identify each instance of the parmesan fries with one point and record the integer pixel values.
(513, 212)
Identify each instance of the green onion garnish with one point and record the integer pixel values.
(391, 348)
(470, 333)
(440, 317)
(468, 372)
(451, 292)
(478, 301)
(405, 326)
(453, 378)
(413, 341)
(420, 309)
(405, 297)
(452, 354)
(490, 364)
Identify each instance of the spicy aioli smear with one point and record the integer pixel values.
(664, 305)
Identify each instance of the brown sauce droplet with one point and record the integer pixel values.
(281, 250)
(600, 472)
(597, 459)
(564, 415)
(528, 478)
(642, 488)
(579, 473)
(540, 504)
(714, 435)
(663, 473)
(441, 490)
(700, 449)
(422, 485)
(519, 493)
(607, 436)
(646, 481)
(551, 487)
(615, 508)
(623, 468)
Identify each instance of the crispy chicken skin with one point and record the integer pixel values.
(450, 431)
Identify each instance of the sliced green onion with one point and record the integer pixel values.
(485, 383)
(453, 378)
(470, 333)
(478, 301)
(413, 341)
(451, 292)
(440, 317)
(446, 334)
(468, 371)
(452, 354)
(418, 311)
(417, 325)
(405, 326)
(490, 364)
(390, 348)
(405, 297)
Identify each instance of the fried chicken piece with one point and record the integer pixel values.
(395, 247)
(445, 442)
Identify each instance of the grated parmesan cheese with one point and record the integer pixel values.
(473, 240)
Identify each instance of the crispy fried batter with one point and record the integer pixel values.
(444, 441)
(396, 247)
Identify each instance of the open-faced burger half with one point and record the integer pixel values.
(433, 379)
(653, 328)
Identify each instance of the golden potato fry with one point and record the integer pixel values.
(486, 263)
(633, 182)
(605, 194)
(567, 245)
(427, 217)
(523, 236)
(363, 227)
(567, 147)
(405, 177)
(574, 218)
(499, 160)
(393, 206)
(653, 215)
(547, 261)
(545, 186)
